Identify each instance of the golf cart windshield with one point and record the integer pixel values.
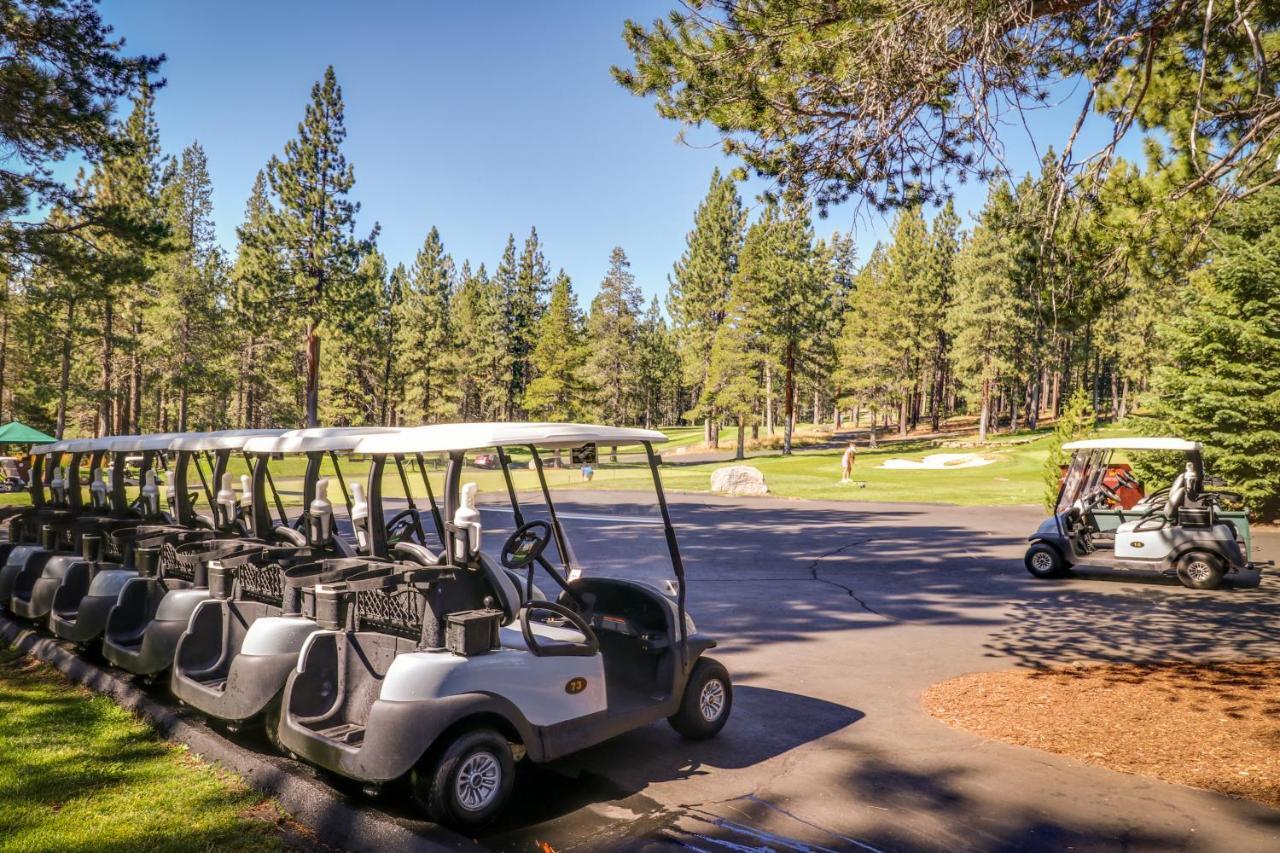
(601, 503)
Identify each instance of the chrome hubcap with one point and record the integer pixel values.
(477, 781)
(1042, 561)
(1199, 571)
(711, 700)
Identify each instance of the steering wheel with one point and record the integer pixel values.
(406, 518)
(524, 547)
(1111, 495)
(587, 648)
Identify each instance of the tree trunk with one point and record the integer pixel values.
(986, 411)
(108, 392)
(1124, 399)
(313, 375)
(135, 378)
(817, 407)
(742, 438)
(789, 412)
(768, 399)
(903, 414)
(874, 444)
(64, 377)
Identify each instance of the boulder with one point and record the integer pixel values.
(738, 480)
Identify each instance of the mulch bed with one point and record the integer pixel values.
(1214, 726)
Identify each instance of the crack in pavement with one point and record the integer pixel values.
(813, 574)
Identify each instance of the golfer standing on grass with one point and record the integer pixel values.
(846, 463)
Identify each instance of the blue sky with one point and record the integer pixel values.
(479, 118)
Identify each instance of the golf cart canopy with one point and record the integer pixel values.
(315, 440)
(1176, 444)
(140, 443)
(228, 439)
(446, 437)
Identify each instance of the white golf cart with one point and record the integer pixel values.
(1181, 528)
(445, 673)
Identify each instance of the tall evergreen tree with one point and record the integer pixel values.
(699, 285)
(525, 303)
(1221, 384)
(484, 359)
(557, 391)
(613, 330)
(426, 334)
(313, 223)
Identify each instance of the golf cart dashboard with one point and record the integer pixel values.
(625, 610)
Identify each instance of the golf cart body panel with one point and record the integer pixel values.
(374, 695)
(1167, 528)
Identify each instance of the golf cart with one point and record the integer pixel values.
(153, 610)
(11, 478)
(236, 653)
(89, 591)
(37, 531)
(444, 674)
(1181, 528)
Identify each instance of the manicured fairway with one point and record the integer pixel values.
(79, 773)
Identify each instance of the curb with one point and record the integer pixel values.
(336, 820)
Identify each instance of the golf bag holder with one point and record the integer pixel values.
(396, 599)
(189, 561)
(300, 581)
(147, 561)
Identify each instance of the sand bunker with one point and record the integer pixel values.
(939, 461)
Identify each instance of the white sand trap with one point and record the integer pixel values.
(938, 462)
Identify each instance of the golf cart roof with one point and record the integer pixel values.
(227, 439)
(138, 443)
(317, 439)
(76, 445)
(445, 437)
(1178, 444)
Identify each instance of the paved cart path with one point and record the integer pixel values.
(833, 619)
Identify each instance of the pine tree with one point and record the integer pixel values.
(313, 223)
(870, 352)
(734, 374)
(269, 393)
(426, 334)
(1221, 384)
(656, 360)
(484, 360)
(785, 295)
(700, 283)
(1075, 423)
(944, 245)
(356, 364)
(557, 391)
(613, 331)
(985, 321)
(525, 303)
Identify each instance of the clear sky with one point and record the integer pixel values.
(479, 118)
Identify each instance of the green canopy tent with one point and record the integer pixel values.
(15, 432)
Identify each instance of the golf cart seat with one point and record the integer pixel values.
(1161, 515)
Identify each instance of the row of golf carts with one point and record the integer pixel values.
(385, 639)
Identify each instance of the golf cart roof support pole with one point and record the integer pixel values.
(408, 496)
(182, 508)
(431, 497)
(261, 513)
(551, 510)
(504, 463)
(376, 522)
(672, 546)
(309, 479)
(74, 497)
(452, 482)
(342, 483)
(119, 500)
(36, 477)
(204, 484)
(275, 493)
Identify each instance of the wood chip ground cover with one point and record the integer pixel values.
(1213, 726)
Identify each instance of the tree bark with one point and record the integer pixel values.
(768, 399)
(986, 411)
(742, 438)
(108, 392)
(313, 375)
(789, 409)
(64, 377)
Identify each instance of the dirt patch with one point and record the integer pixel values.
(1214, 726)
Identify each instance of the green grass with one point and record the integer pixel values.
(77, 772)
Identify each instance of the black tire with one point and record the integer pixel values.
(449, 800)
(1044, 561)
(703, 716)
(1201, 570)
(271, 716)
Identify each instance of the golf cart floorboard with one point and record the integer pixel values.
(351, 734)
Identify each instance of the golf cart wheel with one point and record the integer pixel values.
(470, 783)
(1045, 561)
(708, 698)
(1201, 570)
(271, 716)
